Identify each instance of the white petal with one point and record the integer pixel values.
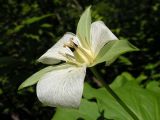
(62, 87)
(100, 35)
(54, 54)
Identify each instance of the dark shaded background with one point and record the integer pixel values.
(28, 28)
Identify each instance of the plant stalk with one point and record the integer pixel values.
(116, 97)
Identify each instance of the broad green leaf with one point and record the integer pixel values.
(36, 77)
(139, 99)
(113, 50)
(87, 111)
(83, 28)
(106, 103)
(122, 80)
(144, 103)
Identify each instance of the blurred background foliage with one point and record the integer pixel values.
(28, 28)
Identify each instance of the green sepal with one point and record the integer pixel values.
(83, 28)
(112, 50)
(37, 76)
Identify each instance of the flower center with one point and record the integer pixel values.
(81, 55)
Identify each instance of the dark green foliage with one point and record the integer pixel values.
(28, 28)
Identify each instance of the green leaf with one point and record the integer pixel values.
(154, 86)
(46, 25)
(35, 19)
(144, 103)
(32, 36)
(122, 80)
(106, 103)
(36, 77)
(83, 28)
(141, 77)
(88, 111)
(125, 60)
(112, 50)
(29, 21)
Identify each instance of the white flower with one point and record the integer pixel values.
(64, 85)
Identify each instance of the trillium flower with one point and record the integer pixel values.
(62, 85)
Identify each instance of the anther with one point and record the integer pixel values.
(71, 45)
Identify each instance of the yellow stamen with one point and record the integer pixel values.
(81, 55)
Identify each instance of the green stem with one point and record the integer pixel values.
(117, 98)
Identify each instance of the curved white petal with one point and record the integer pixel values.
(100, 35)
(62, 87)
(56, 53)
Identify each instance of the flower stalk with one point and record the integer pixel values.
(114, 95)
